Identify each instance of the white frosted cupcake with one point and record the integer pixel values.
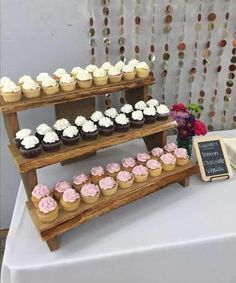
(23, 79)
(137, 119)
(163, 112)
(89, 131)
(91, 68)
(30, 147)
(96, 116)
(51, 142)
(84, 79)
(134, 63)
(111, 113)
(105, 126)
(106, 66)
(142, 70)
(152, 102)
(140, 105)
(31, 89)
(76, 70)
(50, 86)
(79, 121)
(20, 135)
(60, 125)
(11, 92)
(127, 109)
(41, 77)
(122, 123)
(100, 77)
(59, 73)
(128, 73)
(67, 83)
(41, 130)
(3, 81)
(150, 114)
(114, 75)
(119, 65)
(70, 136)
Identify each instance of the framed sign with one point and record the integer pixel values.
(212, 158)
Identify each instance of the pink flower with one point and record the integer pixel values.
(179, 107)
(199, 128)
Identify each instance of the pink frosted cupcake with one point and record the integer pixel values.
(170, 147)
(90, 193)
(125, 179)
(154, 167)
(168, 161)
(128, 163)
(70, 200)
(108, 186)
(38, 193)
(156, 153)
(142, 158)
(112, 169)
(47, 210)
(97, 173)
(181, 155)
(60, 187)
(80, 180)
(140, 173)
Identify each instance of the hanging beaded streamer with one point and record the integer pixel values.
(91, 33)
(137, 27)
(106, 29)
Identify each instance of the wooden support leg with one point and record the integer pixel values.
(30, 181)
(185, 182)
(155, 140)
(53, 244)
(134, 95)
(11, 125)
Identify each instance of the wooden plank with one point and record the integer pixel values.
(78, 94)
(11, 124)
(157, 139)
(85, 147)
(86, 212)
(30, 180)
(53, 244)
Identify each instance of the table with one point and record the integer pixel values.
(180, 235)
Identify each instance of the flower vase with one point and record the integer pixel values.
(185, 143)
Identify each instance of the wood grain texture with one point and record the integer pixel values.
(11, 125)
(154, 140)
(30, 180)
(85, 147)
(69, 220)
(78, 94)
(53, 244)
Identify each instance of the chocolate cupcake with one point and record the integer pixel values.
(152, 102)
(111, 113)
(137, 119)
(150, 114)
(41, 130)
(127, 109)
(20, 135)
(51, 142)
(96, 116)
(89, 131)
(163, 112)
(30, 147)
(122, 123)
(106, 126)
(60, 125)
(79, 121)
(70, 136)
(140, 105)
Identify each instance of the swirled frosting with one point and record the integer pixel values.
(181, 153)
(61, 124)
(30, 84)
(127, 108)
(21, 134)
(120, 64)
(89, 127)
(96, 116)
(70, 132)
(91, 68)
(128, 162)
(114, 71)
(128, 69)
(99, 73)
(70, 195)
(89, 190)
(140, 170)
(113, 167)
(149, 111)
(157, 151)
(162, 109)
(11, 87)
(5, 80)
(60, 72)
(50, 137)
(105, 122)
(111, 113)
(153, 164)
(152, 102)
(124, 176)
(97, 171)
(48, 82)
(80, 120)
(140, 105)
(142, 65)
(47, 204)
(122, 119)
(42, 129)
(107, 183)
(143, 156)
(40, 191)
(80, 179)
(30, 142)
(61, 186)
(42, 76)
(168, 158)
(106, 66)
(76, 70)
(66, 79)
(137, 115)
(84, 76)
(24, 79)
(133, 63)
(170, 147)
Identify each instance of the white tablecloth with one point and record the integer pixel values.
(178, 235)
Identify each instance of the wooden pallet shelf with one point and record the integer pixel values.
(78, 94)
(86, 212)
(86, 147)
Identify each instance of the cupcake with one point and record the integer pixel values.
(11, 92)
(128, 73)
(137, 119)
(114, 75)
(90, 193)
(163, 112)
(150, 114)
(84, 80)
(181, 155)
(41, 77)
(47, 210)
(91, 68)
(106, 126)
(156, 153)
(60, 125)
(152, 102)
(59, 73)
(127, 109)
(140, 105)
(79, 181)
(51, 142)
(128, 163)
(111, 113)
(40, 191)
(96, 116)
(142, 158)
(154, 167)
(106, 66)
(30, 147)
(41, 130)
(97, 173)
(125, 179)
(24, 79)
(134, 63)
(168, 161)
(67, 83)
(100, 77)
(89, 131)
(79, 121)
(122, 123)
(70, 136)
(4, 81)
(108, 186)
(31, 89)
(119, 65)
(60, 187)
(140, 173)
(142, 69)
(75, 71)
(170, 147)
(112, 169)
(50, 86)
(70, 200)
(20, 135)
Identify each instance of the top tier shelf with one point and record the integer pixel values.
(75, 95)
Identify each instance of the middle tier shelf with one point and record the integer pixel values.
(86, 147)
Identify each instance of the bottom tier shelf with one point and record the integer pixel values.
(69, 220)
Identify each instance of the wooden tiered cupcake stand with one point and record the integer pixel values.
(69, 105)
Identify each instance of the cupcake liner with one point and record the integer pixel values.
(51, 147)
(32, 152)
(70, 141)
